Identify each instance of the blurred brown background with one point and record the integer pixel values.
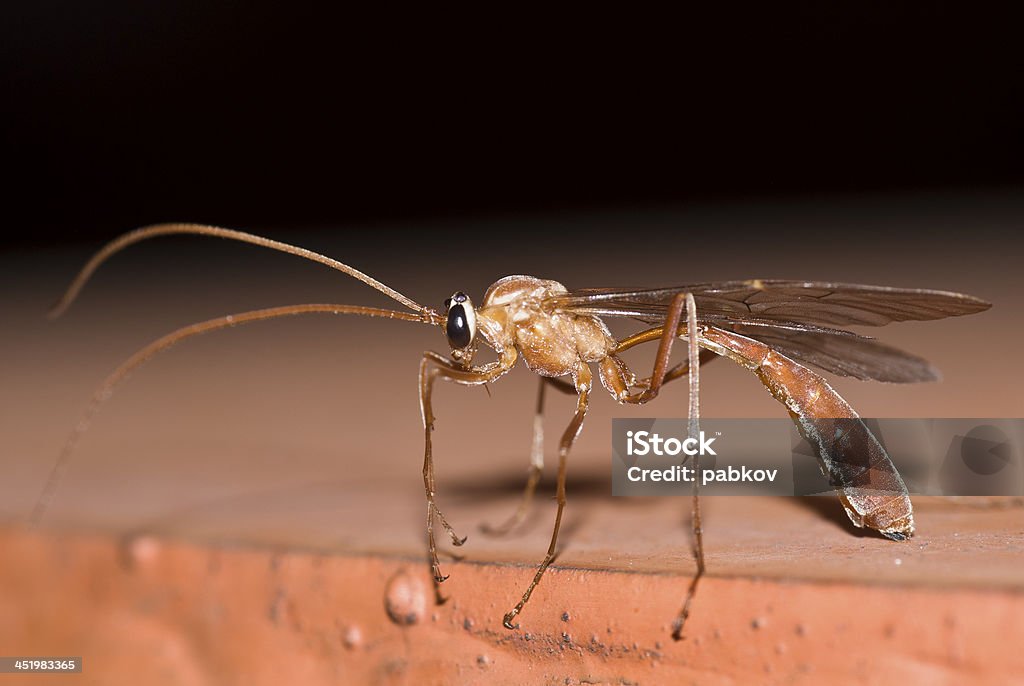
(332, 400)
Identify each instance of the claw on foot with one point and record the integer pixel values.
(677, 630)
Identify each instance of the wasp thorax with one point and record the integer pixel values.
(461, 325)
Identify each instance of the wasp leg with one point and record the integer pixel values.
(536, 461)
(615, 375)
(583, 385)
(434, 366)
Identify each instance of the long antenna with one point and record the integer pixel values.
(106, 389)
(142, 234)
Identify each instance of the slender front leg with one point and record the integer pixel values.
(427, 376)
(536, 460)
(583, 385)
(433, 366)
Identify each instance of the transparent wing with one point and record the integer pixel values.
(842, 352)
(767, 301)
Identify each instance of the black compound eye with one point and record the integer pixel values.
(461, 324)
(459, 334)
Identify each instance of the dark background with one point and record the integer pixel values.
(118, 114)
